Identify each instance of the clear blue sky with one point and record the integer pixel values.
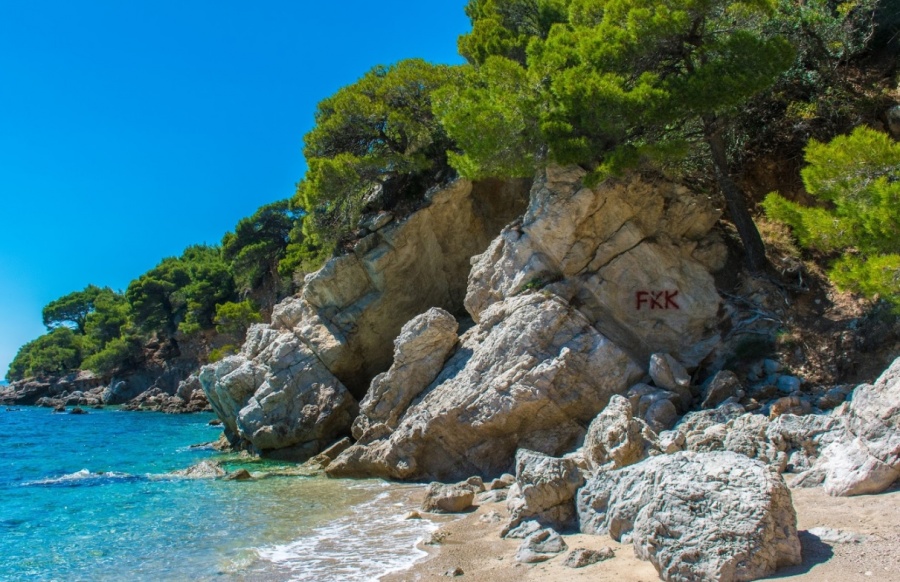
(130, 130)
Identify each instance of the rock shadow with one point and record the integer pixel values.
(814, 552)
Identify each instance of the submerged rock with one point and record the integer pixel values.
(697, 516)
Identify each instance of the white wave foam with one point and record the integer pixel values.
(370, 542)
(83, 476)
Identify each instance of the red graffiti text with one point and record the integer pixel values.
(664, 299)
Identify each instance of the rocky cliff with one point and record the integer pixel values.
(325, 345)
(568, 303)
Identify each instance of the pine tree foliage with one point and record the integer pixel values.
(857, 177)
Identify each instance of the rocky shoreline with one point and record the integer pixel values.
(563, 352)
(86, 390)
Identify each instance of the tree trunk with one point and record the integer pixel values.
(735, 201)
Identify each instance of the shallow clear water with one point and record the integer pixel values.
(89, 497)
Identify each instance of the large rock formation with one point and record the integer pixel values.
(697, 516)
(866, 456)
(277, 394)
(420, 351)
(634, 256)
(531, 375)
(352, 309)
(569, 306)
(289, 388)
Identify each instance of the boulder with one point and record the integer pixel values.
(697, 516)
(540, 547)
(852, 469)
(544, 492)
(276, 394)
(719, 388)
(531, 374)
(420, 351)
(441, 498)
(623, 251)
(616, 439)
(863, 454)
(202, 470)
(581, 557)
(668, 373)
(656, 406)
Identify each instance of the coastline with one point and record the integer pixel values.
(473, 544)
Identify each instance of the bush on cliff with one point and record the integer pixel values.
(376, 138)
(857, 178)
(257, 245)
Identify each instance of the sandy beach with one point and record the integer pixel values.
(473, 544)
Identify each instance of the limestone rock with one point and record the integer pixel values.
(531, 374)
(545, 492)
(668, 373)
(656, 406)
(354, 307)
(202, 470)
(540, 546)
(697, 516)
(581, 557)
(795, 405)
(851, 469)
(616, 439)
(276, 394)
(722, 386)
(287, 392)
(622, 251)
(865, 457)
(442, 498)
(420, 351)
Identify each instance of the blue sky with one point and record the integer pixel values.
(130, 130)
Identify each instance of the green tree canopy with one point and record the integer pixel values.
(56, 352)
(235, 318)
(258, 243)
(857, 176)
(71, 309)
(619, 81)
(181, 293)
(376, 135)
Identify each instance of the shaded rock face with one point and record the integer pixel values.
(287, 389)
(352, 309)
(697, 516)
(628, 253)
(532, 374)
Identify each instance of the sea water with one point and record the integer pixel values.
(92, 497)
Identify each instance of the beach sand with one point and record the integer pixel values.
(472, 544)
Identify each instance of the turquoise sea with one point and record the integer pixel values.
(90, 497)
